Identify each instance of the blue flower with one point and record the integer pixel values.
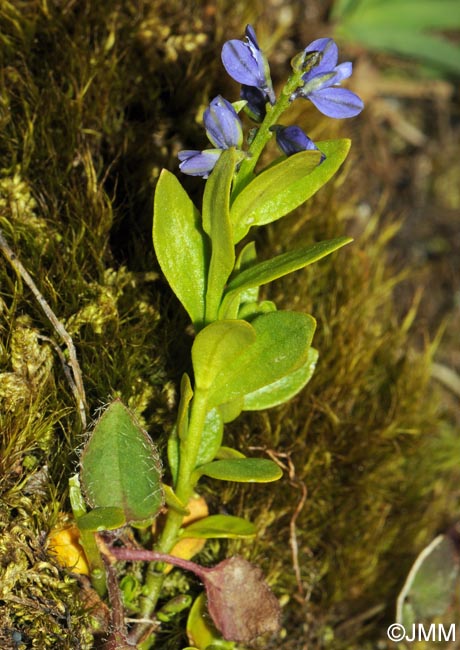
(224, 130)
(246, 63)
(222, 124)
(321, 82)
(291, 140)
(198, 163)
(256, 102)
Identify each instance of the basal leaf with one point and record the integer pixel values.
(242, 470)
(216, 223)
(180, 245)
(220, 526)
(217, 347)
(101, 519)
(284, 389)
(120, 467)
(264, 272)
(281, 346)
(271, 194)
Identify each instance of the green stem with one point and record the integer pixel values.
(87, 539)
(264, 134)
(189, 449)
(95, 561)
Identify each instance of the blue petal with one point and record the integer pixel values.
(198, 163)
(251, 36)
(256, 102)
(330, 55)
(239, 62)
(337, 102)
(223, 126)
(342, 71)
(291, 140)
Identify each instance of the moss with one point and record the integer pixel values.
(96, 98)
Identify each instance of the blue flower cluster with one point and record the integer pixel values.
(246, 63)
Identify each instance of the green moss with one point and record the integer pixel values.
(96, 98)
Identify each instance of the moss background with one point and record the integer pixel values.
(95, 99)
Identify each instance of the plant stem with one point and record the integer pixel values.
(189, 448)
(264, 134)
(141, 555)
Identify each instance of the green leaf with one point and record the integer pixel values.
(120, 467)
(101, 519)
(220, 526)
(277, 267)
(180, 245)
(429, 49)
(242, 470)
(408, 14)
(226, 453)
(217, 347)
(173, 454)
(248, 257)
(272, 193)
(231, 410)
(282, 343)
(201, 633)
(249, 310)
(172, 500)
(216, 223)
(186, 394)
(211, 437)
(284, 389)
(431, 584)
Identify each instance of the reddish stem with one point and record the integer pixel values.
(140, 555)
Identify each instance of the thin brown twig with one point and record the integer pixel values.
(295, 482)
(77, 383)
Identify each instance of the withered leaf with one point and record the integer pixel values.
(240, 601)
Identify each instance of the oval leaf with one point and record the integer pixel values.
(220, 526)
(180, 245)
(270, 196)
(284, 389)
(216, 347)
(281, 347)
(120, 466)
(242, 470)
